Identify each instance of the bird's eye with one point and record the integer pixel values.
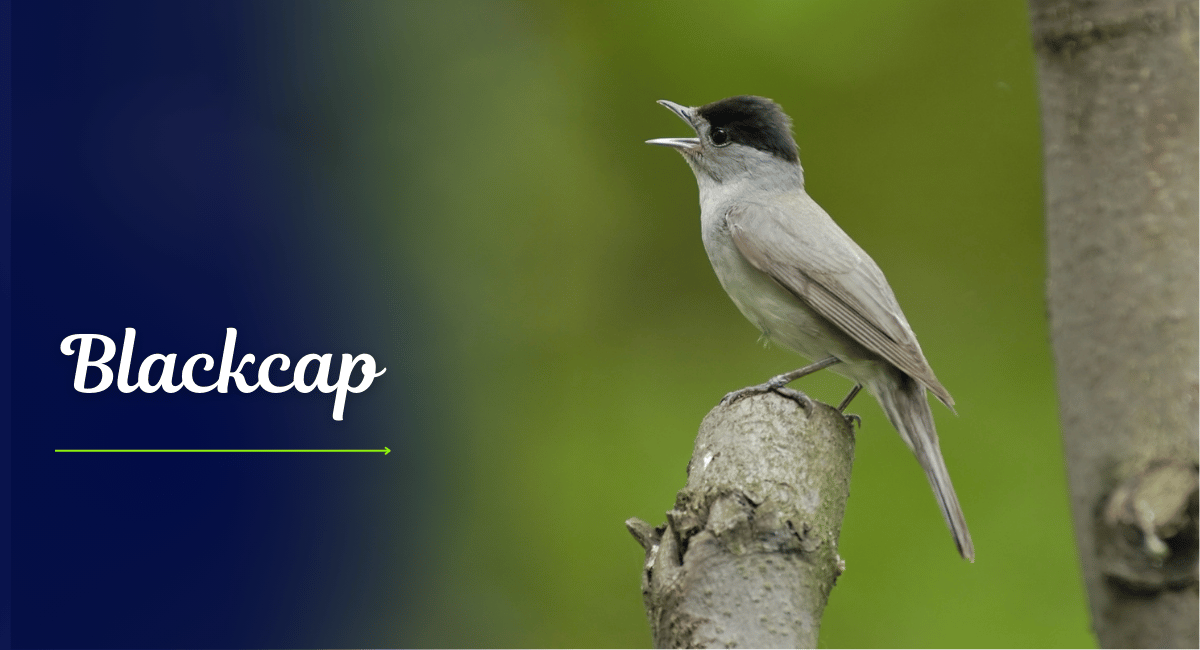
(719, 136)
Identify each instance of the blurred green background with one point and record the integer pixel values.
(493, 152)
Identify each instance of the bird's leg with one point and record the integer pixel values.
(849, 398)
(776, 384)
(854, 419)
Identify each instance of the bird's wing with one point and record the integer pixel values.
(799, 246)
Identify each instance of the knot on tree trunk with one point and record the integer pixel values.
(1147, 534)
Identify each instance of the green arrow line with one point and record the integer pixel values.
(385, 451)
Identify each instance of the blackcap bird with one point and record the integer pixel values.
(802, 281)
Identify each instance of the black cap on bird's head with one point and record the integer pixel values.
(755, 122)
(747, 120)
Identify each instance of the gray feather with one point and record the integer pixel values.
(828, 271)
(904, 402)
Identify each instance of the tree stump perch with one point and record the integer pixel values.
(748, 555)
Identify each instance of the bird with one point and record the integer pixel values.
(803, 282)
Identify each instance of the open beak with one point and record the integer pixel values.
(687, 115)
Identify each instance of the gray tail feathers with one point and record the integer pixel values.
(904, 401)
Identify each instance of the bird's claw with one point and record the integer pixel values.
(736, 395)
(796, 396)
(772, 386)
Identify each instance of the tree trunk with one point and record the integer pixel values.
(1119, 118)
(749, 554)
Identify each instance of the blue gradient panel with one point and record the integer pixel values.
(166, 179)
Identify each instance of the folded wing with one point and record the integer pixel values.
(822, 266)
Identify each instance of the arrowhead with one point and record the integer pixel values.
(386, 451)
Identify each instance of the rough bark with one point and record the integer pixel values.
(1119, 117)
(748, 556)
